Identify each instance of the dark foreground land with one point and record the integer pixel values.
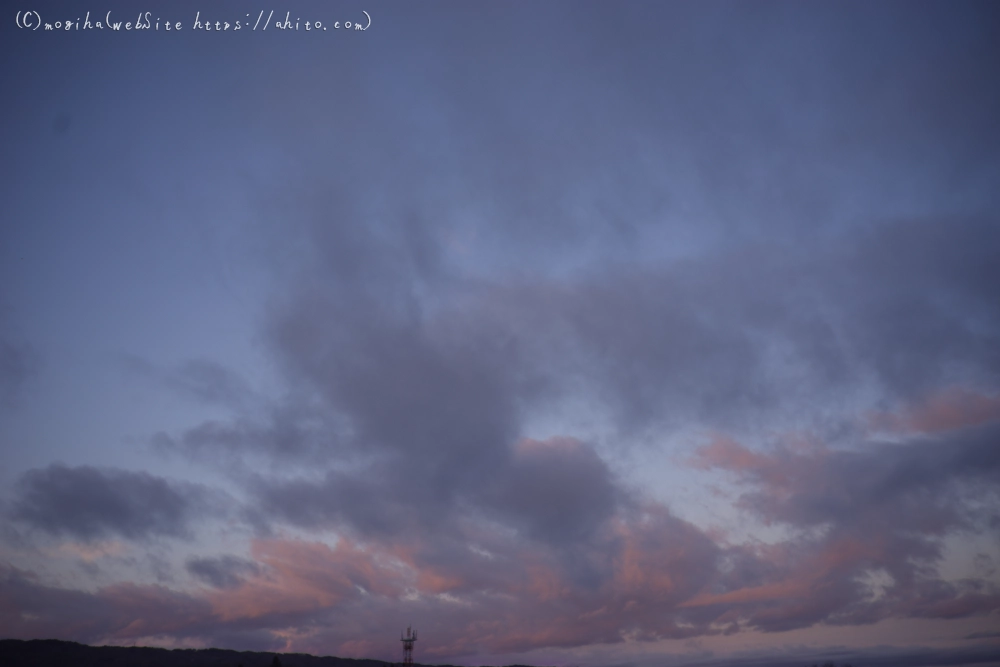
(55, 653)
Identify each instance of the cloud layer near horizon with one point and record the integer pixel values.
(496, 577)
(502, 292)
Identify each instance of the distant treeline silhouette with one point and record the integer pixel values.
(57, 653)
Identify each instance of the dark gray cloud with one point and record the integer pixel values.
(374, 502)
(293, 433)
(89, 503)
(558, 491)
(222, 572)
(557, 495)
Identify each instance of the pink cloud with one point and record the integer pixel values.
(883, 509)
(948, 410)
(724, 452)
(89, 552)
(304, 576)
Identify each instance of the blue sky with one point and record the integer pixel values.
(571, 333)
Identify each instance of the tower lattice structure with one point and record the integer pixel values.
(408, 639)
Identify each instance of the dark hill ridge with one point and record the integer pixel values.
(56, 653)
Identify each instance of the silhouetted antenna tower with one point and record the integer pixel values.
(408, 639)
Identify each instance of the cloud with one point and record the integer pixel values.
(201, 380)
(716, 340)
(694, 265)
(434, 318)
(875, 656)
(913, 486)
(209, 382)
(488, 576)
(222, 572)
(90, 503)
(30, 609)
(558, 490)
(632, 565)
(948, 410)
(88, 552)
(293, 433)
(426, 376)
(872, 521)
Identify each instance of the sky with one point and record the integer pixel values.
(597, 334)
